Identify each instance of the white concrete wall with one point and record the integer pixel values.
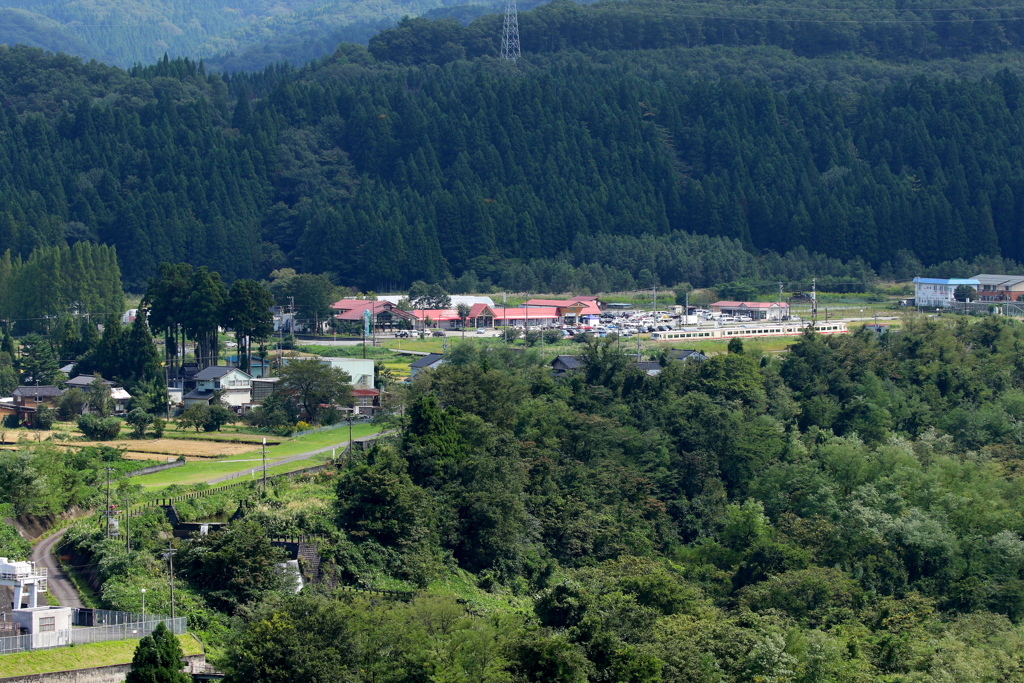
(359, 369)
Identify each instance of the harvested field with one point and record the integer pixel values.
(223, 437)
(161, 459)
(171, 447)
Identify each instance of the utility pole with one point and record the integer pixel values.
(170, 570)
(127, 531)
(814, 300)
(349, 449)
(264, 467)
(107, 513)
(510, 32)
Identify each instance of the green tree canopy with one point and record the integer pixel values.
(158, 659)
(315, 384)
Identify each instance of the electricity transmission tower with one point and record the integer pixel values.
(510, 32)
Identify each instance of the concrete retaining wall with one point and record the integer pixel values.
(115, 673)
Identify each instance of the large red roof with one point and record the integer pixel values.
(352, 309)
(589, 307)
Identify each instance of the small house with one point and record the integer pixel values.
(651, 368)
(565, 364)
(365, 400)
(427, 362)
(33, 397)
(235, 385)
(687, 355)
(118, 395)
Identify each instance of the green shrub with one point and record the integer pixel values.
(45, 417)
(99, 429)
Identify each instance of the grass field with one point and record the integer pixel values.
(79, 657)
(197, 471)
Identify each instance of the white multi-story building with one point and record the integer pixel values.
(931, 292)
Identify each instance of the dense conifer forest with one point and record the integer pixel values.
(635, 144)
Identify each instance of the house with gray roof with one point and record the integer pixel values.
(427, 362)
(562, 365)
(235, 384)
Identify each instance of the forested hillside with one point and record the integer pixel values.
(847, 512)
(613, 154)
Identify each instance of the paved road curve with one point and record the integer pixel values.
(57, 582)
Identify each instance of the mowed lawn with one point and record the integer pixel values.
(195, 471)
(79, 657)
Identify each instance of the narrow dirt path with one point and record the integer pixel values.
(57, 582)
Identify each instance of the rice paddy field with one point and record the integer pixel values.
(200, 470)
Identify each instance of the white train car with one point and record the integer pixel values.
(776, 329)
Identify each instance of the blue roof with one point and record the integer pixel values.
(940, 281)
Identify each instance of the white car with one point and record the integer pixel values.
(481, 330)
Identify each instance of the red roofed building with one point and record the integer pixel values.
(756, 310)
(385, 315)
(480, 315)
(365, 400)
(536, 315)
(570, 311)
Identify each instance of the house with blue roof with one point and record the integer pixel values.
(933, 292)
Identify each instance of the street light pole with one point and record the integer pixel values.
(264, 466)
(143, 605)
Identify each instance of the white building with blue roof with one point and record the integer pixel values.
(933, 292)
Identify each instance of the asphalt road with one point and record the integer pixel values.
(57, 582)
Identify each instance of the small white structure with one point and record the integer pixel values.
(359, 369)
(755, 310)
(47, 626)
(27, 580)
(932, 292)
(236, 385)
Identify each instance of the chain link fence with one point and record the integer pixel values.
(93, 626)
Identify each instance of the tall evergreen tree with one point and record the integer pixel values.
(248, 313)
(158, 658)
